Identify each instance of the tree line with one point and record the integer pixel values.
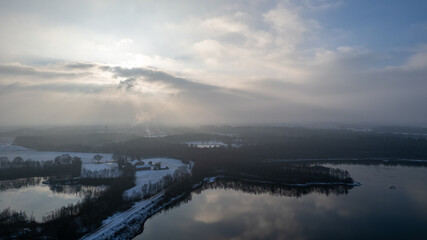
(19, 168)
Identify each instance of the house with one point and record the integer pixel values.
(140, 166)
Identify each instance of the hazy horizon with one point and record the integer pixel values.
(213, 62)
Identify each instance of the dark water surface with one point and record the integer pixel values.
(391, 204)
(37, 199)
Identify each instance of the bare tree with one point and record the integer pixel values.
(97, 157)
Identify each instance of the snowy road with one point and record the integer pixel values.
(132, 219)
(119, 220)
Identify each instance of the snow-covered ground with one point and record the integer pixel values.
(132, 218)
(7, 149)
(207, 144)
(138, 213)
(100, 166)
(11, 151)
(211, 144)
(125, 225)
(146, 176)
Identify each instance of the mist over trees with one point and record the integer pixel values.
(258, 149)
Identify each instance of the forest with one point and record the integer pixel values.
(257, 142)
(261, 152)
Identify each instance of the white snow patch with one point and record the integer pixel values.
(122, 219)
(97, 167)
(212, 144)
(207, 144)
(146, 176)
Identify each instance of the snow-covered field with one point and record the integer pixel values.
(101, 170)
(153, 176)
(7, 149)
(212, 144)
(207, 144)
(100, 166)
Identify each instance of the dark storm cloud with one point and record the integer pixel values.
(155, 76)
(198, 92)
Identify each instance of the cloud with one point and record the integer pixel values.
(417, 61)
(156, 76)
(21, 70)
(339, 85)
(57, 77)
(80, 65)
(248, 61)
(125, 41)
(127, 84)
(53, 87)
(322, 5)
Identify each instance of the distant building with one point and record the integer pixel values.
(140, 166)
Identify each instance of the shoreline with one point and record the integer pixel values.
(349, 160)
(128, 224)
(353, 184)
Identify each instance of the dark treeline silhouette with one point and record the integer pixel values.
(276, 143)
(231, 161)
(368, 162)
(15, 224)
(273, 189)
(69, 141)
(19, 168)
(260, 144)
(291, 174)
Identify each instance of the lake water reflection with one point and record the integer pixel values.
(391, 204)
(38, 199)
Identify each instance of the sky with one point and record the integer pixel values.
(213, 62)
